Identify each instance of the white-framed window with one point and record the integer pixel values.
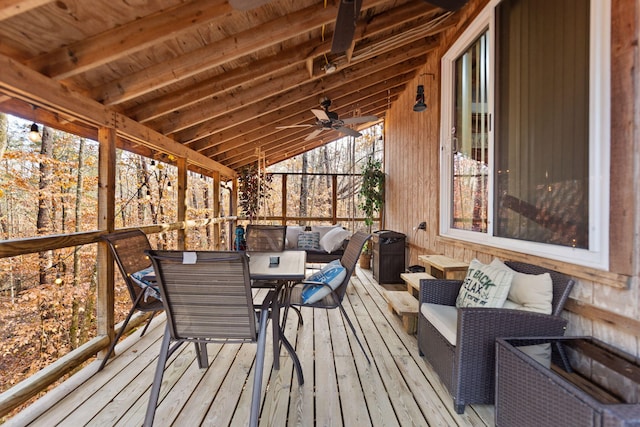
(525, 130)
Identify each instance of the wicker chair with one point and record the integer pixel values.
(209, 300)
(468, 368)
(266, 238)
(334, 299)
(128, 249)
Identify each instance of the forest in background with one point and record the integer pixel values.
(49, 186)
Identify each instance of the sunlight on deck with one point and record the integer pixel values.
(397, 388)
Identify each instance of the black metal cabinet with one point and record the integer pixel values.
(388, 257)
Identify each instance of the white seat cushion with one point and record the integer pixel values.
(444, 318)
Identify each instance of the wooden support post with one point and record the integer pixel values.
(182, 201)
(106, 215)
(284, 199)
(216, 211)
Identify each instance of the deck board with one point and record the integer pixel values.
(341, 388)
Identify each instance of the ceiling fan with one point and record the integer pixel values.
(328, 120)
(348, 14)
(349, 11)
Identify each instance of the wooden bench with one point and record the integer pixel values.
(443, 267)
(404, 305)
(413, 281)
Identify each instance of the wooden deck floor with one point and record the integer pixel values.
(340, 388)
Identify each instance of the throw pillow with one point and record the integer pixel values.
(323, 229)
(291, 236)
(146, 279)
(309, 240)
(530, 292)
(484, 286)
(331, 274)
(333, 239)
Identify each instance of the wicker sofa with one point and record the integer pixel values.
(467, 368)
(319, 254)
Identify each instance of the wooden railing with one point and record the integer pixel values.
(31, 386)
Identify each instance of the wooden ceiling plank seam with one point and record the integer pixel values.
(33, 87)
(121, 41)
(216, 86)
(329, 83)
(11, 8)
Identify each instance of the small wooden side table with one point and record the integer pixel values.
(413, 282)
(443, 267)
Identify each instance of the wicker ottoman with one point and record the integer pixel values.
(565, 381)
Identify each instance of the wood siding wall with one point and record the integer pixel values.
(605, 304)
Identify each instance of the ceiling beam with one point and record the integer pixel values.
(123, 40)
(20, 81)
(239, 136)
(242, 76)
(9, 8)
(284, 142)
(395, 62)
(271, 85)
(215, 54)
(390, 87)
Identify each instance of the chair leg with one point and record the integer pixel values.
(201, 354)
(259, 369)
(294, 356)
(148, 323)
(157, 379)
(117, 337)
(355, 334)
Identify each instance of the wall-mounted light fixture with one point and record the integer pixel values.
(34, 133)
(420, 104)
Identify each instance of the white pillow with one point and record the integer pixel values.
(323, 229)
(484, 286)
(332, 274)
(291, 236)
(530, 292)
(333, 239)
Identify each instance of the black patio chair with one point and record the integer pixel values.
(266, 238)
(128, 249)
(334, 299)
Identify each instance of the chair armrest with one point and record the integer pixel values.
(479, 327)
(438, 291)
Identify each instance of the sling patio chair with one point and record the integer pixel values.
(266, 238)
(331, 291)
(207, 298)
(128, 249)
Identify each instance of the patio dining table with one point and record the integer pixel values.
(279, 268)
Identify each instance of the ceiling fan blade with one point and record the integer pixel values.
(448, 4)
(348, 13)
(313, 134)
(247, 4)
(320, 114)
(361, 119)
(348, 131)
(293, 126)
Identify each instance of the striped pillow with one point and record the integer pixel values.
(309, 240)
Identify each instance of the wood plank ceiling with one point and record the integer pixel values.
(216, 79)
